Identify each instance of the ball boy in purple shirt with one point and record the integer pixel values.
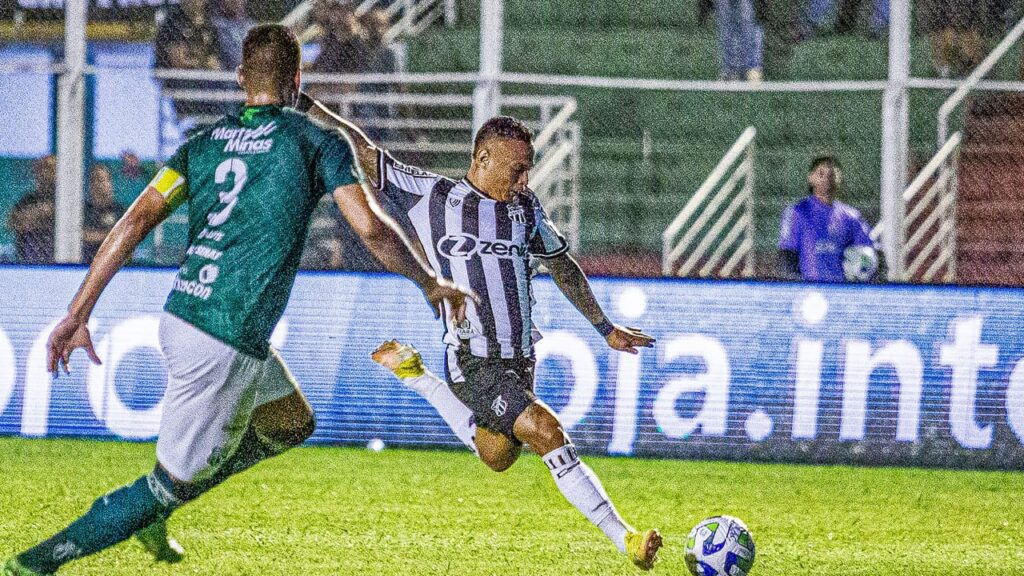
(816, 230)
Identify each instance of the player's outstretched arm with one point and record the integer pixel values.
(364, 150)
(384, 238)
(382, 235)
(571, 280)
(148, 210)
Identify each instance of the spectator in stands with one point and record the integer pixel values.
(780, 22)
(955, 28)
(376, 57)
(848, 15)
(341, 49)
(332, 244)
(101, 211)
(131, 179)
(374, 27)
(232, 21)
(741, 40)
(32, 218)
(323, 243)
(818, 229)
(187, 40)
(704, 10)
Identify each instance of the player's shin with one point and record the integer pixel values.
(406, 364)
(582, 489)
(113, 518)
(456, 414)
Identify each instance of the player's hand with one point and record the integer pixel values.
(628, 339)
(446, 292)
(68, 335)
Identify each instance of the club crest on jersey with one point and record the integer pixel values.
(516, 214)
(454, 202)
(246, 140)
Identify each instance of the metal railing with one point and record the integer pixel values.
(408, 17)
(973, 79)
(931, 218)
(555, 178)
(717, 208)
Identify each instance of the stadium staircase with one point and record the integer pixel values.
(990, 210)
(630, 192)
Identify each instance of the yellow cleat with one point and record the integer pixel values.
(402, 359)
(643, 547)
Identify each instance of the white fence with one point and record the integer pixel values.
(724, 203)
(438, 126)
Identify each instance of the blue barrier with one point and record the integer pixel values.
(790, 372)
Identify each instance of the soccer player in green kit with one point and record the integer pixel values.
(251, 182)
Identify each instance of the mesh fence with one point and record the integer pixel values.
(990, 212)
(637, 155)
(27, 89)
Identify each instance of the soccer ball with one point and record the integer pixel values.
(859, 263)
(720, 546)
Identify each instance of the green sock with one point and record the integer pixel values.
(112, 518)
(117, 515)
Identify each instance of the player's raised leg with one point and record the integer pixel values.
(508, 414)
(406, 364)
(539, 427)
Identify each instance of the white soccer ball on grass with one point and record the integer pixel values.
(720, 546)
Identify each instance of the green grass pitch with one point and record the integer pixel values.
(351, 511)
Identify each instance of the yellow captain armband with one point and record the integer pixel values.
(171, 185)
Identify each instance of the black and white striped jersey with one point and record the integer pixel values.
(480, 243)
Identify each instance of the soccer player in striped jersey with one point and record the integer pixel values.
(251, 182)
(482, 231)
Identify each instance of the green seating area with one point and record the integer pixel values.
(628, 200)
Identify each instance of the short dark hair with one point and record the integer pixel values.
(503, 127)
(270, 54)
(825, 159)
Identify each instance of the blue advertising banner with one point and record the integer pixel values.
(742, 370)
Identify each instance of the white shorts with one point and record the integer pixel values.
(212, 391)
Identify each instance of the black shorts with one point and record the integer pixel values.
(497, 390)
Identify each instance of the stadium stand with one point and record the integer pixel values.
(646, 152)
(621, 190)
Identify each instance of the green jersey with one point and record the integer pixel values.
(252, 182)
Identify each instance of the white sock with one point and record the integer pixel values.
(456, 414)
(582, 489)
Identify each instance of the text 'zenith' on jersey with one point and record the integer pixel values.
(481, 243)
(251, 181)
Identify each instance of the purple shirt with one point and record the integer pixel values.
(819, 233)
